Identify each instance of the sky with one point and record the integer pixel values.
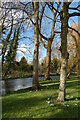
(46, 30)
(27, 44)
(46, 27)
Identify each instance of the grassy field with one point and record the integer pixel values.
(42, 103)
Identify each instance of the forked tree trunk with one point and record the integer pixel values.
(48, 61)
(63, 71)
(35, 84)
(48, 46)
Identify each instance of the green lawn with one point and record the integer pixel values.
(42, 103)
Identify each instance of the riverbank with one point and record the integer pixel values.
(42, 103)
(24, 76)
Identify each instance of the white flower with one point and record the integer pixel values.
(76, 99)
(52, 105)
(48, 99)
(75, 104)
(48, 102)
(67, 105)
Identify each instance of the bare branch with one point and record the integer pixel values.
(74, 14)
(73, 8)
(74, 30)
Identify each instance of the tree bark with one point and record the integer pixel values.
(78, 54)
(63, 71)
(35, 84)
(48, 61)
(77, 43)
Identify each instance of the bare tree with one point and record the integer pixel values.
(49, 40)
(6, 42)
(64, 16)
(63, 71)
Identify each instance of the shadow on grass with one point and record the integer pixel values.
(74, 98)
(66, 112)
(34, 104)
(55, 85)
(20, 103)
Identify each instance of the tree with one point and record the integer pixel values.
(76, 38)
(4, 48)
(77, 44)
(23, 64)
(12, 24)
(29, 13)
(63, 70)
(74, 51)
(72, 55)
(49, 40)
(35, 84)
(10, 57)
(55, 65)
(64, 17)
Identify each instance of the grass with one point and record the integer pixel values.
(42, 103)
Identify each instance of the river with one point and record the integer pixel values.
(12, 85)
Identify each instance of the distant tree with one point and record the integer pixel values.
(10, 57)
(31, 67)
(23, 60)
(55, 65)
(23, 64)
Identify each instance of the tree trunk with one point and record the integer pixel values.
(78, 54)
(35, 84)
(63, 71)
(77, 43)
(79, 65)
(48, 61)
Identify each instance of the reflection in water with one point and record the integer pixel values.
(3, 88)
(12, 85)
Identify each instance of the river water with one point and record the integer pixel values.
(12, 85)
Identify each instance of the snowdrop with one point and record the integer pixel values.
(48, 102)
(67, 105)
(76, 99)
(52, 105)
(75, 104)
(48, 98)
